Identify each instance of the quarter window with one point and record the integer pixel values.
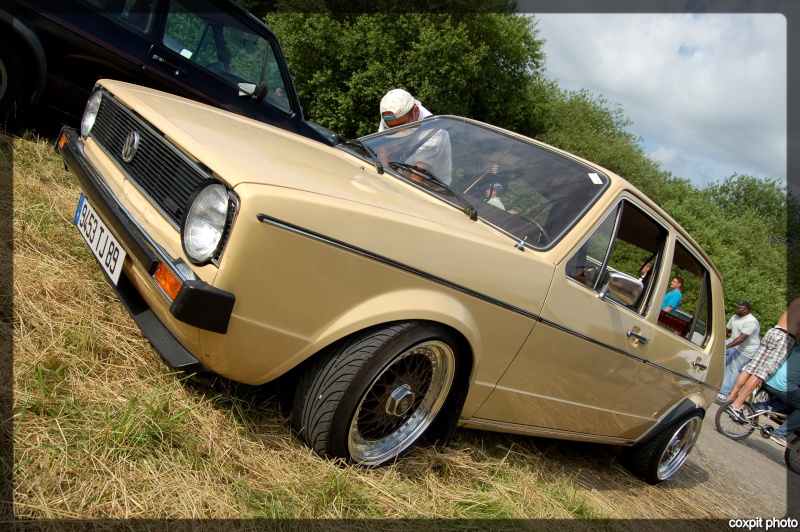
(690, 317)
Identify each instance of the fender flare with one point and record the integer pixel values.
(31, 43)
(689, 404)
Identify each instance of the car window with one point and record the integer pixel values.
(225, 47)
(137, 14)
(621, 258)
(689, 317)
(526, 190)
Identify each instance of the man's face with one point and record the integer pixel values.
(410, 116)
(742, 311)
(675, 284)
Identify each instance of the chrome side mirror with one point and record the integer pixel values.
(622, 287)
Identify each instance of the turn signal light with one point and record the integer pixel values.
(167, 281)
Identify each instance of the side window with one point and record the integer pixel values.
(622, 257)
(137, 14)
(685, 309)
(225, 47)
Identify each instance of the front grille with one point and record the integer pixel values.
(159, 170)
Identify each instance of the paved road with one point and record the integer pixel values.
(752, 470)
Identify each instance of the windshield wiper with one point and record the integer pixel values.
(373, 157)
(468, 209)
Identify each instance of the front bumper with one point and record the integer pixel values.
(197, 304)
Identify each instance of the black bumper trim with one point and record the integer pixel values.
(165, 344)
(197, 304)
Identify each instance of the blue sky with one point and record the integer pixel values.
(707, 93)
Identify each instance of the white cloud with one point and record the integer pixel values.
(706, 92)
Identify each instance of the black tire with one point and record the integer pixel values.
(792, 455)
(732, 428)
(370, 398)
(12, 84)
(660, 457)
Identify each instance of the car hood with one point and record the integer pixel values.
(240, 150)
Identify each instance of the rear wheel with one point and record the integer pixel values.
(371, 398)
(792, 455)
(662, 456)
(731, 427)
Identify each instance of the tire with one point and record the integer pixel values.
(12, 83)
(370, 398)
(792, 455)
(731, 428)
(659, 458)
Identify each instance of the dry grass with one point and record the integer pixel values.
(103, 429)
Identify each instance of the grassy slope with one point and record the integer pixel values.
(102, 429)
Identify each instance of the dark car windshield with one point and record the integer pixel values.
(528, 191)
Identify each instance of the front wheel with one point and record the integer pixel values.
(792, 455)
(662, 456)
(731, 427)
(371, 398)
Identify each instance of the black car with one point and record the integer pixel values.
(53, 51)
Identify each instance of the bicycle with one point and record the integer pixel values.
(760, 412)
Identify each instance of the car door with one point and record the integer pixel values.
(85, 40)
(594, 334)
(214, 53)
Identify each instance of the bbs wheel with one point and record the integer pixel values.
(372, 397)
(731, 427)
(662, 456)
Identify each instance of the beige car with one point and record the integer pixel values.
(441, 274)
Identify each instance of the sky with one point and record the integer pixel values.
(707, 93)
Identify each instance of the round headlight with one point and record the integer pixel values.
(90, 113)
(204, 223)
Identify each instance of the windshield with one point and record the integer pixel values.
(528, 191)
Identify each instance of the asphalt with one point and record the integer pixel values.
(752, 472)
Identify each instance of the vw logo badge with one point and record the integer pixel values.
(130, 146)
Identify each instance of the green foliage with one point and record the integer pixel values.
(480, 59)
(471, 64)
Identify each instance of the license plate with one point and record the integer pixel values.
(104, 246)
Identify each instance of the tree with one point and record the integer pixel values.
(471, 62)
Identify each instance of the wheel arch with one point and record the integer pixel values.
(689, 405)
(27, 43)
(406, 305)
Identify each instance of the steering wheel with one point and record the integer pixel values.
(541, 236)
(214, 66)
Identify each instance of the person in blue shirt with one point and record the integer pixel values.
(674, 296)
(785, 385)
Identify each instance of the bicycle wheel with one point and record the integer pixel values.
(792, 456)
(731, 427)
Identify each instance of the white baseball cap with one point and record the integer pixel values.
(398, 102)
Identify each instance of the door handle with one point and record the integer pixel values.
(639, 337)
(169, 64)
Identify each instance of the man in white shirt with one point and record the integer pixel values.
(745, 333)
(398, 108)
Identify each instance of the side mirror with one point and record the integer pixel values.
(257, 92)
(622, 287)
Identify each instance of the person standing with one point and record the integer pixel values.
(745, 333)
(674, 296)
(775, 347)
(398, 107)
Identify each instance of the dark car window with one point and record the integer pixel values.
(225, 47)
(137, 14)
